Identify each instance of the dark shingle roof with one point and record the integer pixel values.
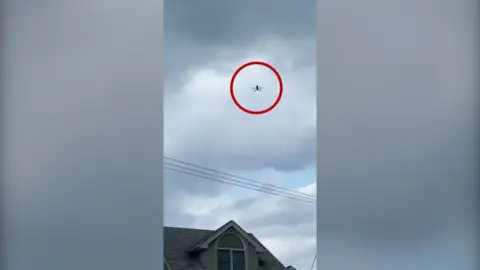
(178, 242)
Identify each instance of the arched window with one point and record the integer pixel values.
(230, 253)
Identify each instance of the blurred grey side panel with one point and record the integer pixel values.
(83, 135)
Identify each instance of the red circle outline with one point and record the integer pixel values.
(279, 81)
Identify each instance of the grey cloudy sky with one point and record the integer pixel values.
(397, 131)
(395, 113)
(204, 44)
(83, 133)
(397, 164)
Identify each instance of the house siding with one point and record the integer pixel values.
(252, 258)
(208, 258)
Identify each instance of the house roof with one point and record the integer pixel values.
(231, 224)
(177, 244)
(180, 242)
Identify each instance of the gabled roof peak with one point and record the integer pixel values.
(231, 224)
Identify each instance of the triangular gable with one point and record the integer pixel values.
(231, 224)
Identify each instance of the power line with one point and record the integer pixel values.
(274, 187)
(271, 188)
(283, 192)
(239, 184)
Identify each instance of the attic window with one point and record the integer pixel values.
(230, 253)
(230, 241)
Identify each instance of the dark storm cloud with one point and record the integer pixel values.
(83, 133)
(195, 29)
(397, 132)
(232, 22)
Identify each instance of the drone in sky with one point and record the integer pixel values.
(257, 88)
